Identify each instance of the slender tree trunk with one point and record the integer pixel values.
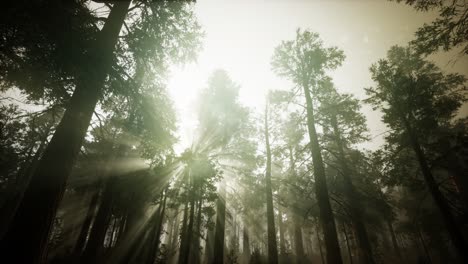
(353, 199)
(272, 246)
(80, 243)
(196, 247)
(281, 231)
(98, 231)
(321, 189)
(187, 244)
(218, 254)
(347, 244)
(450, 223)
(319, 240)
(396, 248)
(210, 236)
(245, 244)
(26, 240)
(183, 233)
(426, 250)
(155, 236)
(298, 245)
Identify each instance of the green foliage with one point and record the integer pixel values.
(445, 32)
(407, 86)
(305, 60)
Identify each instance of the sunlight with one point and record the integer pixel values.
(216, 131)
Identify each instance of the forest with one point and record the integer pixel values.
(100, 163)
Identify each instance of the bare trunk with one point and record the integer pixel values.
(218, 254)
(396, 248)
(321, 189)
(281, 231)
(347, 244)
(272, 246)
(156, 232)
(245, 244)
(98, 231)
(81, 241)
(298, 245)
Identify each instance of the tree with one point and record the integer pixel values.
(341, 113)
(49, 179)
(272, 245)
(445, 32)
(416, 98)
(305, 61)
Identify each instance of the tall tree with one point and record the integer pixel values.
(48, 181)
(272, 245)
(341, 113)
(416, 98)
(305, 61)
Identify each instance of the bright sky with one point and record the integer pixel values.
(240, 37)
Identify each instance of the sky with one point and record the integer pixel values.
(240, 37)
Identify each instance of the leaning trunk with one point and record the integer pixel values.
(321, 189)
(26, 240)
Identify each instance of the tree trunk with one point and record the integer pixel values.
(80, 243)
(155, 236)
(396, 248)
(98, 231)
(321, 189)
(186, 244)
(319, 244)
(196, 246)
(347, 244)
(245, 244)
(353, 199)
(281, 231)
(218, 254)
(272, 246)
(298, 245)
(450, 223)
(26, 240)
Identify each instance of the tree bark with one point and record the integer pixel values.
(353, 199)
(26, 240)
(321, 189)
(272, 246)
